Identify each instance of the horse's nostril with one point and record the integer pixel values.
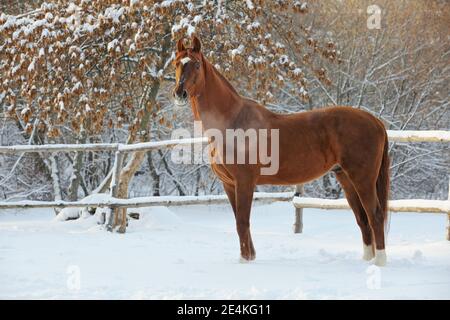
(184, 94)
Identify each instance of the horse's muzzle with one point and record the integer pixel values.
(180, 98)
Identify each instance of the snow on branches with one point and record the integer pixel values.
(66, 55)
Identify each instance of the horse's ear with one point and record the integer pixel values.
(180, 46)
(196, 44)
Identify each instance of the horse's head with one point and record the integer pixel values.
(189, 75)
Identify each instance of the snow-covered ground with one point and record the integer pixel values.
(192, 253)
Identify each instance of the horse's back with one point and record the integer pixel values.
(313, 142)
(339, 122)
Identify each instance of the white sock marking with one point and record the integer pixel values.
(368, 252)
(380, 258)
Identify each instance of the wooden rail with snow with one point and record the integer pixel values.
(410, 205)
(434, 206)
(394, 136)
(109, 201)
(418, 136)
(120, 147)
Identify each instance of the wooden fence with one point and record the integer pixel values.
(299, 202)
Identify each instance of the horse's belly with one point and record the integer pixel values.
(291, 179)
(299, 170)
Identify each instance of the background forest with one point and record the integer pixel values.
(100, 71)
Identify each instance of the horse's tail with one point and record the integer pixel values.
(383, 183)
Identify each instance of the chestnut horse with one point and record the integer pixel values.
(348, 141)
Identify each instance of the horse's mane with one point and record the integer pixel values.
(221, 77)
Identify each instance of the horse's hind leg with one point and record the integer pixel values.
(360, 214)
(366, 189)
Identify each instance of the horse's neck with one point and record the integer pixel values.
(218, 103)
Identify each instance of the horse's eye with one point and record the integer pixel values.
(197, 65)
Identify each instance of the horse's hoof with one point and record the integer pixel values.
(380, 258)
(244, 260)
(121, 229)
(368, 252)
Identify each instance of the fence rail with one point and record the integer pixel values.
(121, 147)
(394, 136)
(442, 206)
(410, 205)
(261, 197)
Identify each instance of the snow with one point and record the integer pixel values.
(112, 44)
(133, 2)
(250, 5)
(297, 71)
(31, 66)
(72, 8)
(168, 3)
(86, 27)
(253, 25)
(283, 59)
(49, 16)
(77, 86)
(197, 19)
(184, 23)
(302, 6)
(45, 33)
(237, 51)
(68, 213)
(25, 111)
(192, 252)
(47, 6)
(83, 212)
(114, 14)
(303, 91)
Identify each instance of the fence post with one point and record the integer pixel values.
(118, 160)
(298, 225)
(448, 213)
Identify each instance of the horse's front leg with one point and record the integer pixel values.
(244, 197)
(230, 190)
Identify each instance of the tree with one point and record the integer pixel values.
(76, 68)
(400, 73)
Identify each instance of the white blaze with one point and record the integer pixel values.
(185, 60)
